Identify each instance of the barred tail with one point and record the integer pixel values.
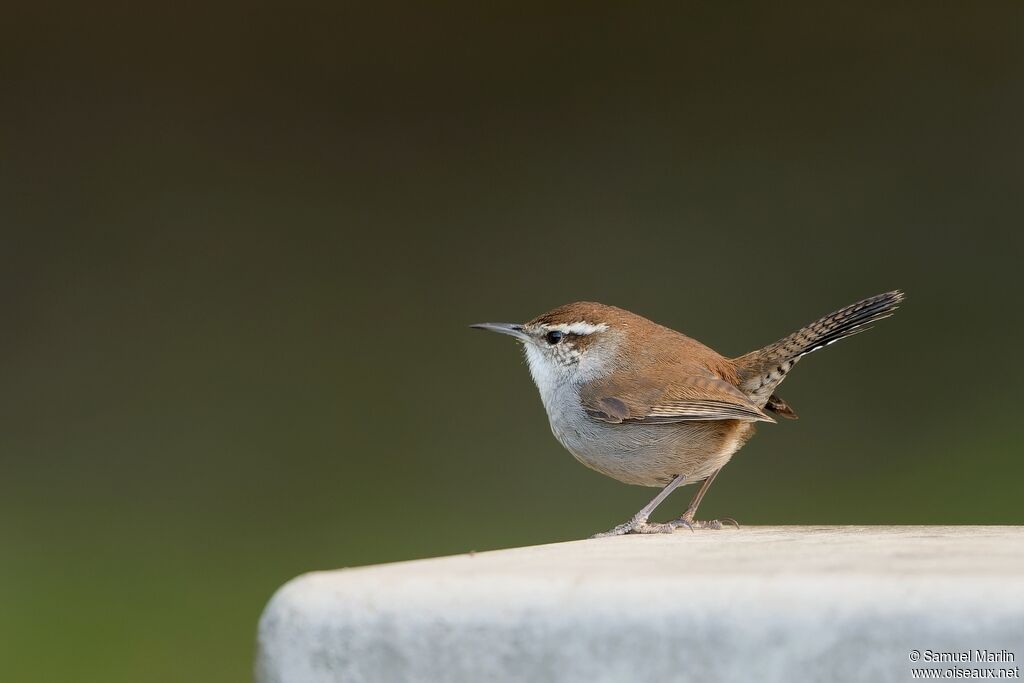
(762, 370)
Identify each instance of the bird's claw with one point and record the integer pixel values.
(715, 524)
(637, 526)
(677, 523)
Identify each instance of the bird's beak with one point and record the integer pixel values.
(511, 329)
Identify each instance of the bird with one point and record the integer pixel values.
(650, 406)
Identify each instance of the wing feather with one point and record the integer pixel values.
(687, 398)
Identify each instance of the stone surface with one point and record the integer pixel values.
(761, 603)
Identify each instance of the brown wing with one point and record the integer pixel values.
(686, 398)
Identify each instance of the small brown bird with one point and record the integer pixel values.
(648, 405)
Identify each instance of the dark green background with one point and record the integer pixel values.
(241, 245)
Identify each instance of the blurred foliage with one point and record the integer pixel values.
(241, 247)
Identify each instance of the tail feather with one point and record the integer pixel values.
(780, 407)
(762, 370)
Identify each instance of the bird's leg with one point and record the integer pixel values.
(691, 509)
(687, 519)
(639, 523)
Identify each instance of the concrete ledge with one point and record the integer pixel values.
(761, 603)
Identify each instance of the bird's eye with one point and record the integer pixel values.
(554, 336)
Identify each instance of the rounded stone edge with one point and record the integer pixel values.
(279, 624)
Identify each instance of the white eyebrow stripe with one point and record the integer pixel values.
(580, 328)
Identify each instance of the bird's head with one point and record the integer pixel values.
(571, 344)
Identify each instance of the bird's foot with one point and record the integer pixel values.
(637, 525)
(692, 524)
